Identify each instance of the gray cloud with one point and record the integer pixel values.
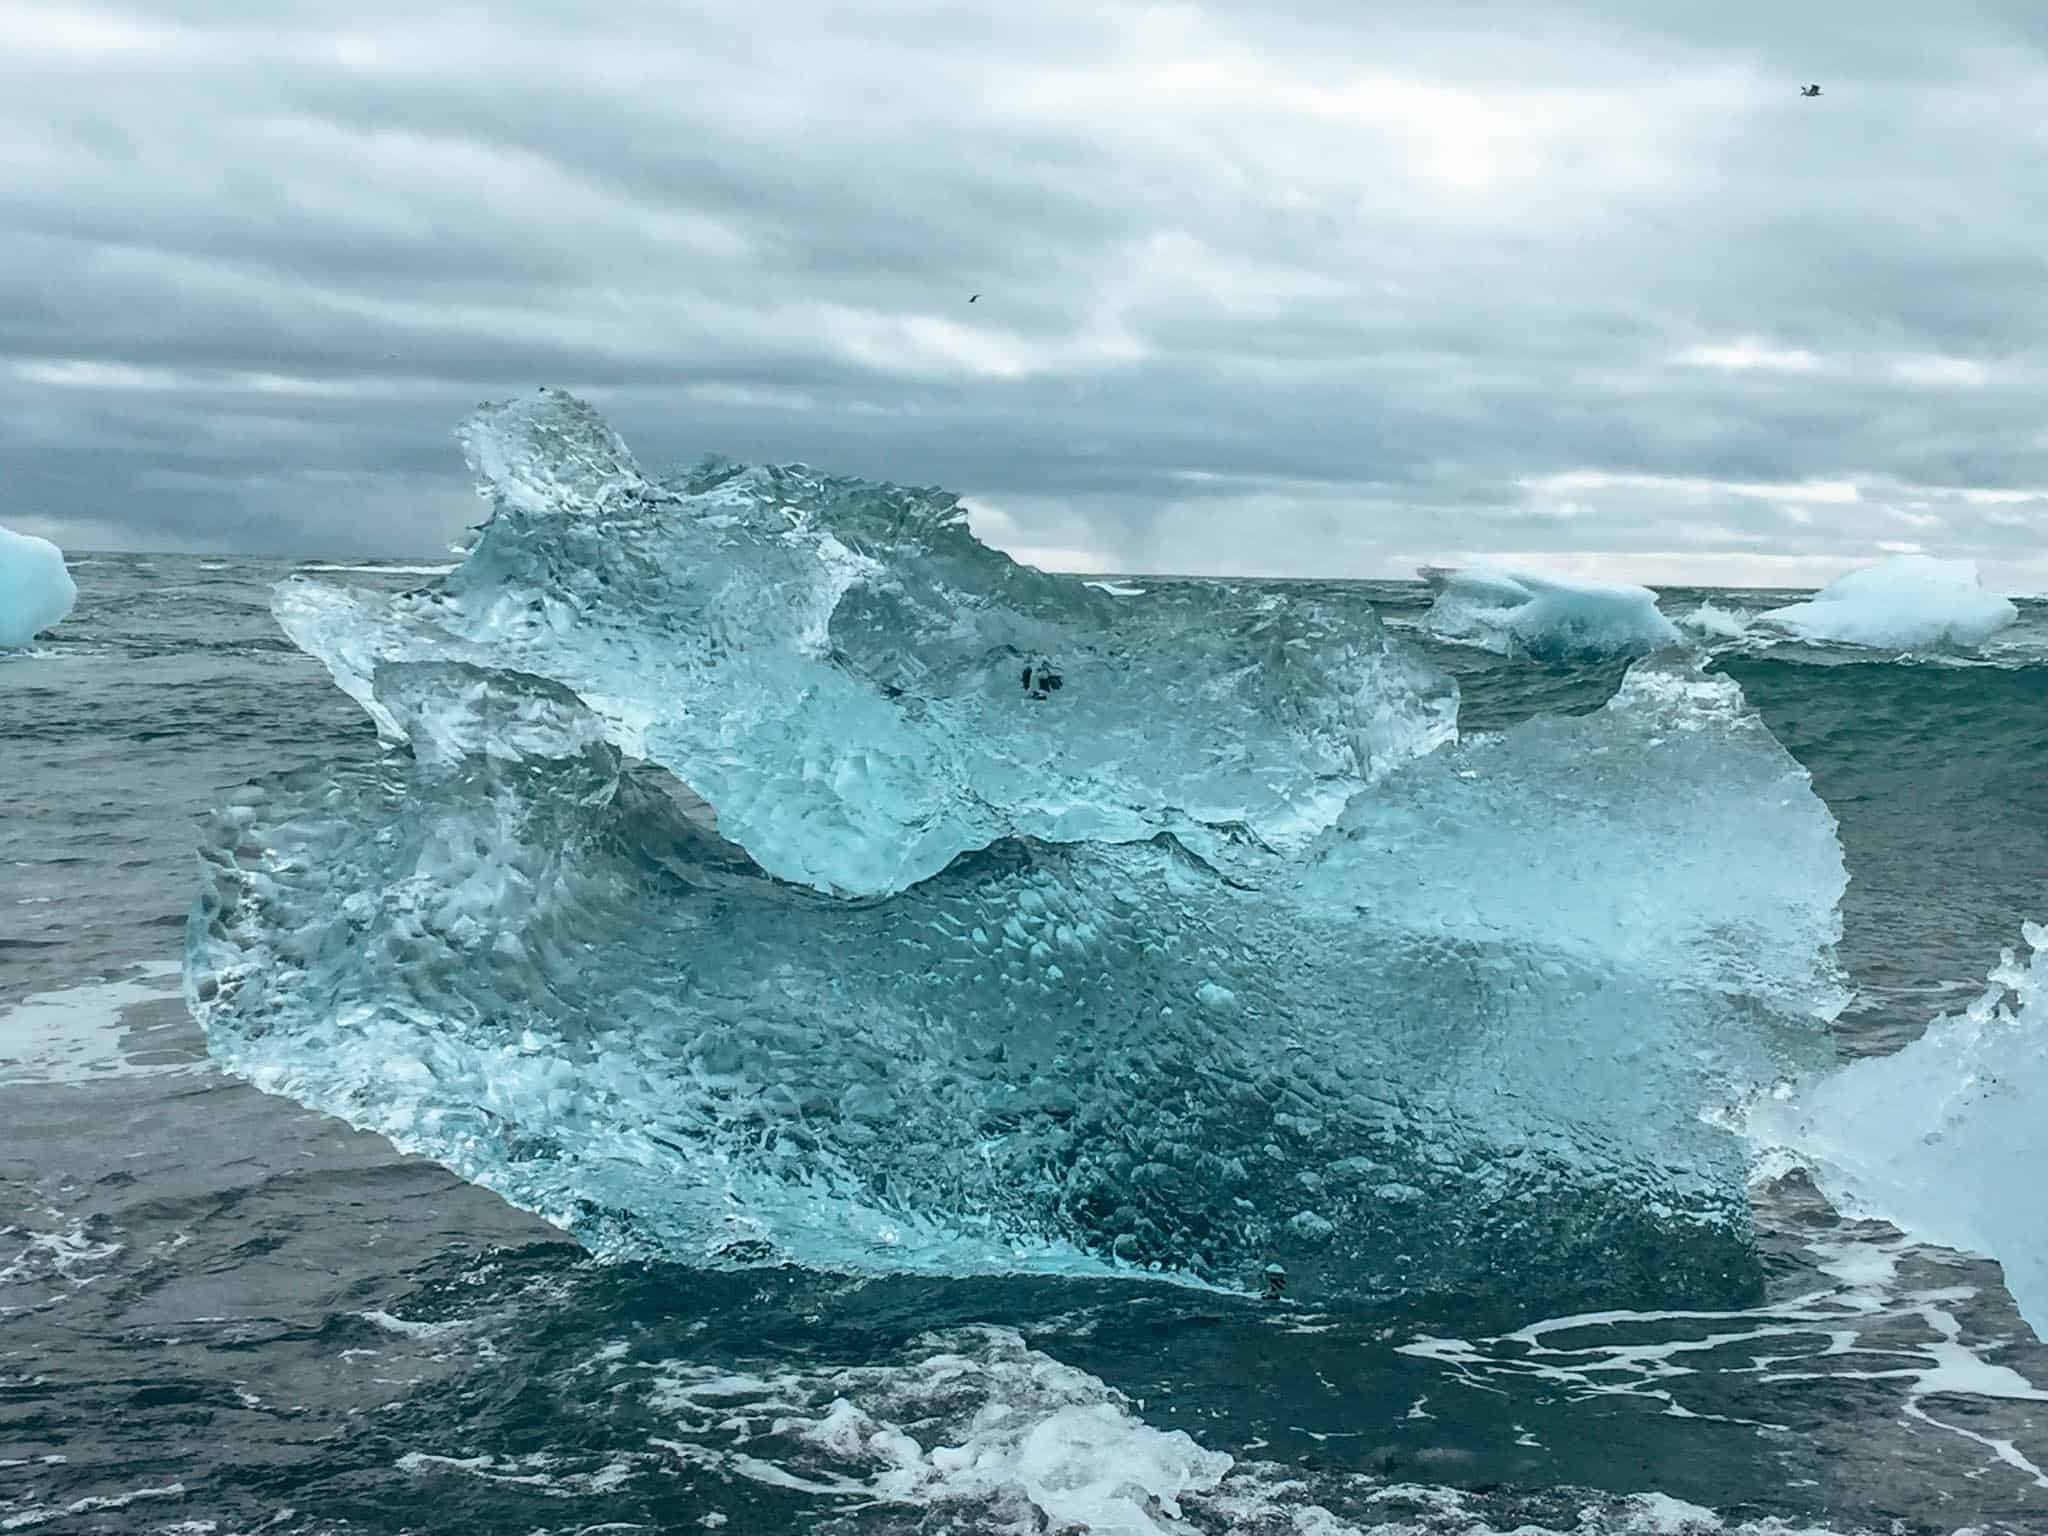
(1333, 293)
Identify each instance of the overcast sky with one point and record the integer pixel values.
(1341, 291)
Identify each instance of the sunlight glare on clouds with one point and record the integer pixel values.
(1961, 371)
(1744, 356)
(32, 27)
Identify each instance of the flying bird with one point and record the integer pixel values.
(1809, 90)
(972, 297)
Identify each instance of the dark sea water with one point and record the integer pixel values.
(221, 1312)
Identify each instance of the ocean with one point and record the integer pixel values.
(221, 1311)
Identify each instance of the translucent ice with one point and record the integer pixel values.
(1946, 1138)
(36, 591)
(1517, 613)
(863, 690)
(1910, 603)
(1040, 929)
(1460, 1038)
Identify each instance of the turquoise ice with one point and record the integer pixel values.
(36, 591)
(1222, 954)
(864, 690)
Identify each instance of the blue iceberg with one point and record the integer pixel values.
(863, 690)
(1543, 618)
(36, 591)
(1906, 603)
(1222, 953)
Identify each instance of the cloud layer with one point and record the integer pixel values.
(1335, 294)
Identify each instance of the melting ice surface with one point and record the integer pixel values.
(1517, 613)
(36, 591)
(863, 690)
(1946, 1138)
(1217, 954)
(1910, 603)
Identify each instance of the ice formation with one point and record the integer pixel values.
(863, 690)
(1712, 623)
(1517, 613)
(1943, 1138)
(1217, 956)
(36, 591)
(1908, 603)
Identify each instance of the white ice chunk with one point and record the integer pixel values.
(1911, 603)
(1713, 623)
(1519, 613)
(1946, 1138)
(35, 589)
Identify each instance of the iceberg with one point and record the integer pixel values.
(1286, 975)
(36, 591)
(1908, 603)
(1712, 623)
(1516, 613)
(863, 690)
(1943, 1138)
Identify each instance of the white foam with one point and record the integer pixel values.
(87, 1506)
(1633, 1354)
(1909, 603)
(36, 591)
(410, 1329)
(1663, 1515)
(980, 1432)
(1116, 588)
(540, 1471)
(1031, 1441)
(53, 1253)
(74, 1036)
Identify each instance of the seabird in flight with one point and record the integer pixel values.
(1810, 90)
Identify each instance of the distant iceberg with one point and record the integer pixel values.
(1945, 1139)
(35, 589)
(1910, 603)
(1712, 623)
(1519, 613)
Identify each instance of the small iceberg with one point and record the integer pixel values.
(1910, 603)
(1712, 623)
(36, 591)
(1945, 1138)
(1519, 614)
